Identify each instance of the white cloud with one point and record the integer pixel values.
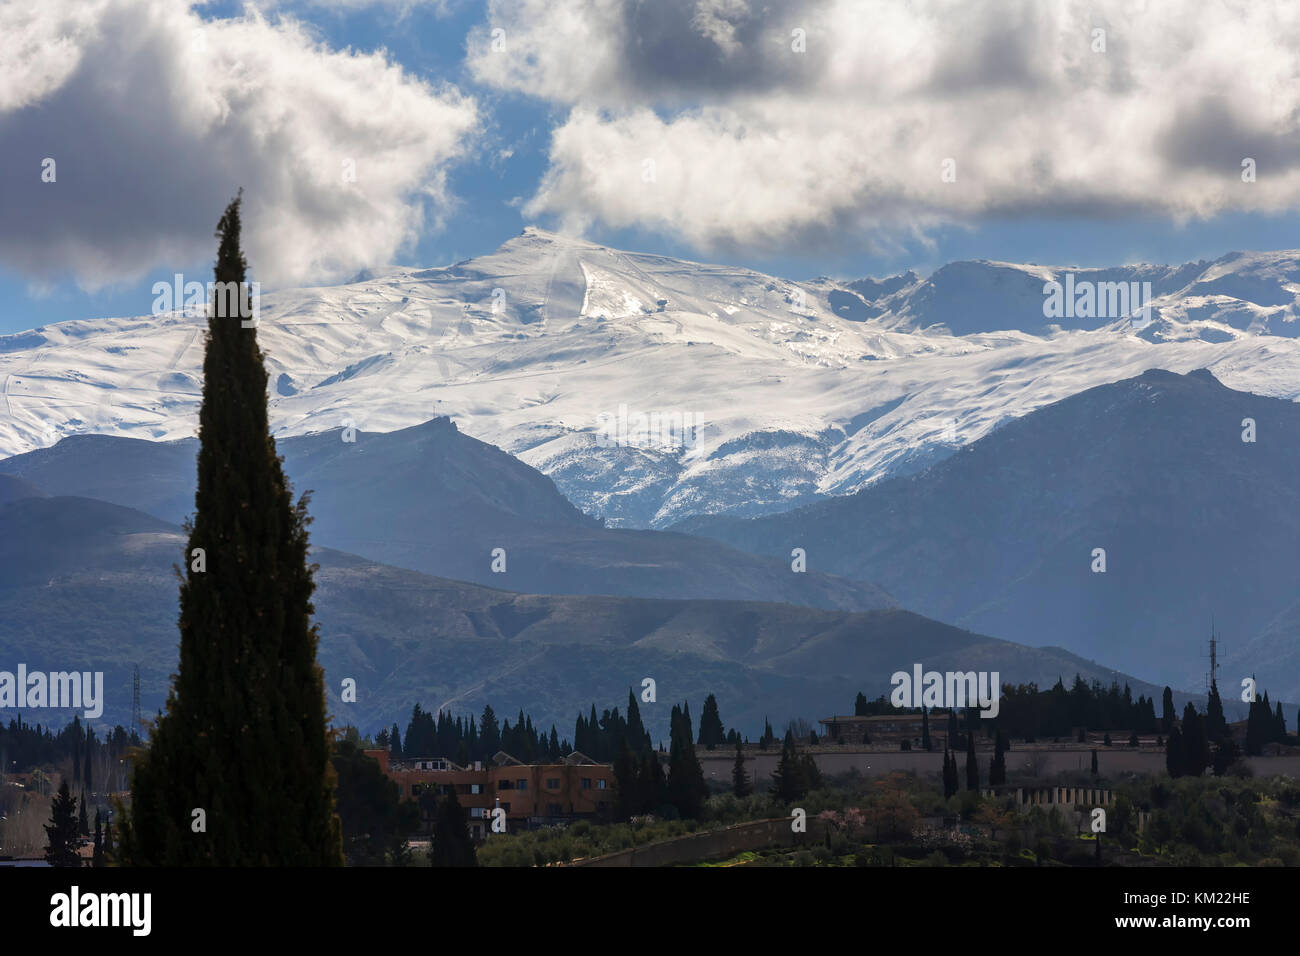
(155, 117)
(754, 143)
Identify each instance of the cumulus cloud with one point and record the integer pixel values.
(740, 122)
(153, 117)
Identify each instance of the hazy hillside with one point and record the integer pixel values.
(100, 595)
(1197, 526)
(434, 500)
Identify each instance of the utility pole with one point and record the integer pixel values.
(136, 720)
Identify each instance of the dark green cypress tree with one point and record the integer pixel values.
(1094, 763)
(1174, 753)
(83, 819)
(98, 858)
(1167, 711)
(61, 831)
(788, 777)
(972, 764)
(860, 705)
(998, 768)
(1279, 725)
(1216, 726)
(1256, 735)
(687, 790)
(812, 775)
(712, 732)
(638, 740)
(489, 733)
(452, 843)
(654, 790)
(740, 784)
(950, 777)
(627, 785)
(1196, 747)
(244, 738)
(925, 729)
(395, 743)
(88, 782)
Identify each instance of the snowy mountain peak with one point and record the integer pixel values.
(650, 387)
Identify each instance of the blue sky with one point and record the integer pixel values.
(525, 109)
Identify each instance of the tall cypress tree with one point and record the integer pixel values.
(788, 782)
(637, 737)
(1196, 746)
(740, 785)
(687, 790)
(712, 732)
(1174, 761)
(98, 858)
(1167, 711)
(452, 844)
(951, 781)
(61, 831)
(244, 738)
(972, 764)
(998, 768)
(1216, 726)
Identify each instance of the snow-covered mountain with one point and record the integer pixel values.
(651, 388)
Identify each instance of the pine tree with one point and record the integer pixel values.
(244, 738)
(740, 784)
(395, 743)
(61, 831)
(452, 843)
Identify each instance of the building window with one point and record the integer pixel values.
(476, 788)
(521, 784)
(586, 783)
(554, 810)
(505, 784)
(476, 813)
(552, 783)
(600, 784)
